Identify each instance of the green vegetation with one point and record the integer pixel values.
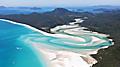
(107, 22)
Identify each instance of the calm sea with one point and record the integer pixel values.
(13, 52)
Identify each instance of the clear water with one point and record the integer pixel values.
(13, 52)
(16, 48)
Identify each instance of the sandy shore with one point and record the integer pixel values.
(65, 58)
(62, 58)
(75, 29)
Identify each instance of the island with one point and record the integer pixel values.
(67, 46)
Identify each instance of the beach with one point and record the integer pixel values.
(69, 46)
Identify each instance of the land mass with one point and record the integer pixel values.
(105, 22)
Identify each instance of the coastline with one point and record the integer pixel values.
(47, 52)
(65, 58)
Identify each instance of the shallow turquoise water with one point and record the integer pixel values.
(16, 45)
(13, 52)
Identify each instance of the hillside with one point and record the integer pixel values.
(49, 19)
(106, 22)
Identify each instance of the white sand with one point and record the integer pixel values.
(65, 58)
(57, 58)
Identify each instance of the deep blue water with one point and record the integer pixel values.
(28, 10)
(6, 11)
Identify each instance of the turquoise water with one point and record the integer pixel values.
(13, 52)
(16, 45)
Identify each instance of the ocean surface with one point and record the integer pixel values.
(28, 10)
(13, 51)
(17, 45)
(15, 10)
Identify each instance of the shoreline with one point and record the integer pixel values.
(66, 58)
(84, 59)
